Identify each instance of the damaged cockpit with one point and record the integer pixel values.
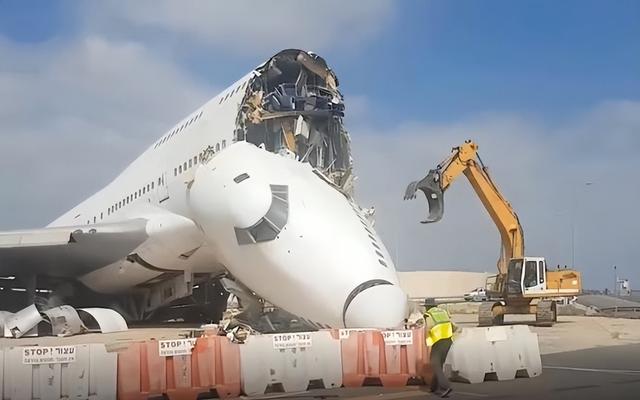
(292, 106)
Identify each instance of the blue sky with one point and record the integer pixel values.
(549, 89)
(542, 57)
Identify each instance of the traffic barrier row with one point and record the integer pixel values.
(58, 372)
(214, 367)
(267, 363)
(494, 353)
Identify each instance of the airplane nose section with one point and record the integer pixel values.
(375, 304)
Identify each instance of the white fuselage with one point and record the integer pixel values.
(323, 261)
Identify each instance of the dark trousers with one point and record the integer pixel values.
(439, 351)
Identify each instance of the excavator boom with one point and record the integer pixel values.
(465, 160)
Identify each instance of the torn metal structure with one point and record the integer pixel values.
(293, 107)
(62, 320)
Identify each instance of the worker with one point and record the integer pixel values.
(438, 332)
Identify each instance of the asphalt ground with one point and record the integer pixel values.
(600, 373)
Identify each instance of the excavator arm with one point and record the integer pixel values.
(465, 160)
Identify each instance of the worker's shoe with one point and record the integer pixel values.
(446, 393)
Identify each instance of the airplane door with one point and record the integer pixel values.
(163, 189)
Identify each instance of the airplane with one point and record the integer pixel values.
(254, 187)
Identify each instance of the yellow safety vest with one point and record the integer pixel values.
(442, 327)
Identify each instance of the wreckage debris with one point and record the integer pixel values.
(60, 321)
(293, 106)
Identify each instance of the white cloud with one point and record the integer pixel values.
(537, 167)
(74, 114)
(243, 25)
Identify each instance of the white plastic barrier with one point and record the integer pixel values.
(55, 372)
(497, 352)
(291, 360)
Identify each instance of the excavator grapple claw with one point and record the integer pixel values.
(430, 186)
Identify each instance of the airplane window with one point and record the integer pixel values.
(135, 195)
(217, 146)
(175, 172)
(195, 160)
(180, 168)
(159, 181)
(100, 215)
(152, 183)
(221, 98)
(147, 188)
(94, 220)
(190, 163)
(87, 222)
(241, 177)
(144, 190)
(224, 144)
(185, 166)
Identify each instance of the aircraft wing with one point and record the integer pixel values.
(69, 251)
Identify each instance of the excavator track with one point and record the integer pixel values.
(546, 313)
(487, 317)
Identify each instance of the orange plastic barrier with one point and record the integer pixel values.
(213, 366)
(365, 356)
(405, 362)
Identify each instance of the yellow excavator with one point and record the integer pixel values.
(523, 285)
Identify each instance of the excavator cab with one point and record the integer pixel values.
(526, 276)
